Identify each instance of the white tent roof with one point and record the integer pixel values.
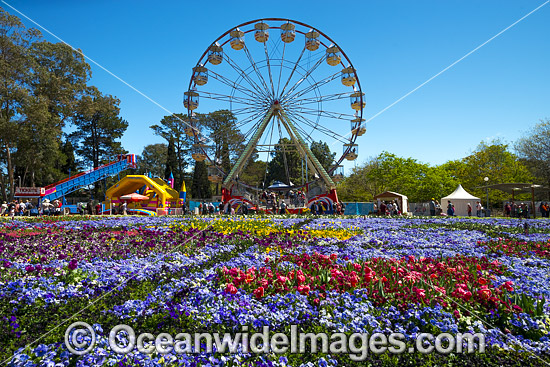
(460, 193)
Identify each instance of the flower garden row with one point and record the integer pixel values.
(325, 275)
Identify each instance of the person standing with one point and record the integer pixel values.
(478, 209)
(432, 207)
(450, 211)
(469, 210)
(314, 208)
(507, 210)
(124, 208)
(383, 208)
(283, 207)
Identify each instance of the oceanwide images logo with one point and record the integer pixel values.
(80, 338)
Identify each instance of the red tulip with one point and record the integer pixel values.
(231, 288)
(259, 292)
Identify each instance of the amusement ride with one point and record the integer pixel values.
(287, 84)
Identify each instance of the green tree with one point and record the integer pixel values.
(153, 159)
(492, 160)
(15, 70)
(98, 128)
(173, 127)
(387, 172)
(171, 162)
(225, 138)
(322, 152)
(57, 79)
(59, 75)
(534, 150)
(285, 163)
(200, 187)
(254, 173)
(70, 165)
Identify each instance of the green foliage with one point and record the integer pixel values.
(492, 160)
(173, 127)
(254, 173)
(98, 126)
(200, 187)
(285, 163)
(227, 142)
(534, 149)
(421, 182)
(43, 89)
(152, 159)
(171, 162)
(322, 152)
(387, 172)
(70, 164)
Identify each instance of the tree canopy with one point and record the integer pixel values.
(533, 149)
(44, 90)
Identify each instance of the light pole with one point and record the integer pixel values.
(19, 177)
(486, 179)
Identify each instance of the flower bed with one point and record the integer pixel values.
(323, 274)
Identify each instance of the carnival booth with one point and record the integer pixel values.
(401, 199)
(460, 199)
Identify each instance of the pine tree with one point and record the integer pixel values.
(200, 188)
(172, 163)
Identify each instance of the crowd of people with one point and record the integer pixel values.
(387, 208)
(17, 208)
(544, 209)
(521, 210)
(273, 200)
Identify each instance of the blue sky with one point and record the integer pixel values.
(500, 91)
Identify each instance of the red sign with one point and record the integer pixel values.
(34, 192)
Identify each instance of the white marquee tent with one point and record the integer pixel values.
(460, 198)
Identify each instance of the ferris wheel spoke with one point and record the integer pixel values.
(254, 66)
(281, 68)
(310, 100)
(311, 87)
(269, 69)
(329, 114)
(318, 127)
(244, 75)
(306, 75)
(244, 110)
(233, 84)
(250, 118)
(227, 98)
(293, 70)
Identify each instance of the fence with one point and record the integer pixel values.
(359, 208)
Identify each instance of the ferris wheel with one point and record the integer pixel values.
(287, 84)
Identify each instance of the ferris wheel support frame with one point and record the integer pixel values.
(243, 159)
(307, 152)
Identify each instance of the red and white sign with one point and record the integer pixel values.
(32, 192)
